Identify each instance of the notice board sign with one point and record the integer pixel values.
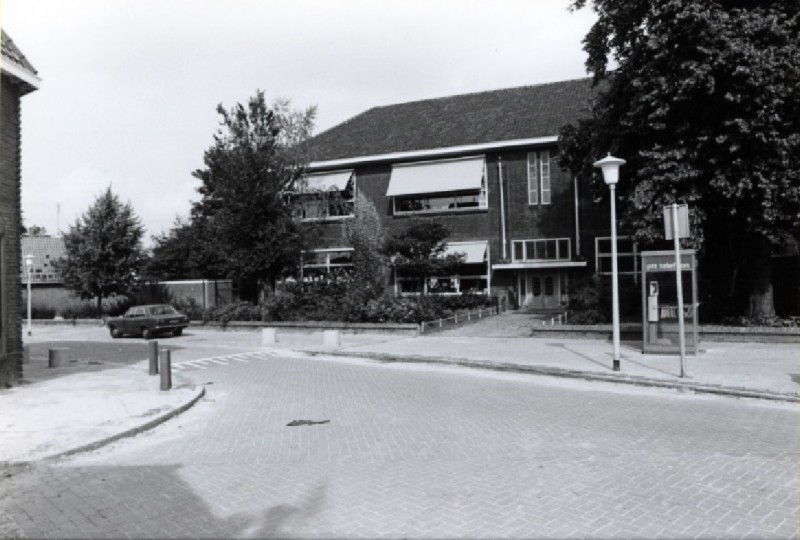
(683, 222)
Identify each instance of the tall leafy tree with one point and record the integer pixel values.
(704, 105)
(257, 157)
(104, 250)
(419, 251)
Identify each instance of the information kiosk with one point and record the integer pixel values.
(660, 331)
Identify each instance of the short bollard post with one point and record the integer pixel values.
(268, 336)
(56, 357)
(331, 338)
(166, 369)
(153, 357)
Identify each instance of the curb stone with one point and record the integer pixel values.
(634, 380)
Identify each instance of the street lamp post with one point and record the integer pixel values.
(610, 165)
(28, 267)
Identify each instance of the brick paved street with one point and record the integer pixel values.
(413, 451)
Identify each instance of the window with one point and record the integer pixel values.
(536, 286)
(322, 261)
(626, 255)
(539, 177)
(438, 203)
(443, 285)
(439, 186)
(546, 249)
(326, 196)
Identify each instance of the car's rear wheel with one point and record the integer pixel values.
(177, 332)
(115, 332)
(146, 332)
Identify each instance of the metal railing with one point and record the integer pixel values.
(458, 318)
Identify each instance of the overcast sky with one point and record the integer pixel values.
(130, 87)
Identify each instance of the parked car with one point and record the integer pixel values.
(146, 321)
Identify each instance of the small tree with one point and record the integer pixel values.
(365, 235)
(419, 251)
(104, 250)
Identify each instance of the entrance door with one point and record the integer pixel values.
(540, 289)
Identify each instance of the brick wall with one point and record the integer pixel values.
(523, 221)
(10, 326)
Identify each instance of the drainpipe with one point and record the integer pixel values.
(577, 219)
(502, 206)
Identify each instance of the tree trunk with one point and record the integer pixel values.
(99, 306)
(760, 301)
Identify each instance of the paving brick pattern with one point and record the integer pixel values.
(424, 452)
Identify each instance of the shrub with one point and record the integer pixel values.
(774, 322)
(585, 303)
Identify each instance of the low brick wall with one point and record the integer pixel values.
(314, 326)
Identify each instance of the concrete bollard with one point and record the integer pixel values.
(57, 357)
(331, 338)
(153, 357)
(268, 336)
(165, 361)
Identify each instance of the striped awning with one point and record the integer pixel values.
(474, 252)
(436, 176)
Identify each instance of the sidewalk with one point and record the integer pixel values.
(767, 371)
(85, 410)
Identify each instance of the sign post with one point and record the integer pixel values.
(676, 226)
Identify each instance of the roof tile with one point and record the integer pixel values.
(484, 117)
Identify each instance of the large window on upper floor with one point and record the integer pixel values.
(539, 177)
(325, 196)
(542, 249)
(451, 185)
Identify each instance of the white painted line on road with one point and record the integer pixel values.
(217, 361)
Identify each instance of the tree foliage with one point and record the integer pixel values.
(104, 250)
(257, 157)
(34, 230)
(419, 250)
(365, 236)
(185, 253)
(704, 105)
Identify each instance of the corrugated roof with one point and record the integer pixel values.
(46, 250)
(10, 51)
(485, 117)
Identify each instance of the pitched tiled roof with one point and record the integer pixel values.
(10, 51)
(46, 250)
(486, 117)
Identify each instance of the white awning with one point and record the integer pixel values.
(332, 181)
(475, 252)
(436, 176)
